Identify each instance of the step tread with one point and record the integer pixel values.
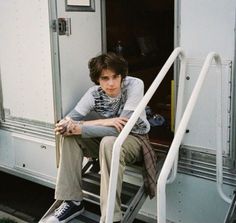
(86, 217)
(91, 184)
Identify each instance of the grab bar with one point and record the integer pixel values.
(126, 130)
(173, 151)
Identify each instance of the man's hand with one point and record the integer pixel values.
(67, 127)
(61, 126)
(118, 122)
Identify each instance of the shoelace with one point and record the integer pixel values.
(59, 211)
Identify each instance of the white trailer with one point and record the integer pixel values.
(45, 46)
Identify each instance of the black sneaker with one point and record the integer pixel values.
(66, 211)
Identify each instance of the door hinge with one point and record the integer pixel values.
(62, 26)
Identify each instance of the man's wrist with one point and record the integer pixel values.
(80, 126)
(81, 122)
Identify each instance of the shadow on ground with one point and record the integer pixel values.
(24, 199)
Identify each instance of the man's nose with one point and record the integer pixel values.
(111, 82)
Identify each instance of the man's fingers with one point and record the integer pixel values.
(118, 127)
(123, 119)
(60, 130)
(61, 126)
(123, 122)
(119, 123)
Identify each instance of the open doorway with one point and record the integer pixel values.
(143, 32)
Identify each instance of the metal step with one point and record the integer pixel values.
(132, 197)
(91, 189)
(86, 217)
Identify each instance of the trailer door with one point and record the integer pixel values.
(25, 63)
(79, 39)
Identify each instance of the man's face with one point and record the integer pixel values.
(110, 82)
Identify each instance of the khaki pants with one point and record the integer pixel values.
(74, 148)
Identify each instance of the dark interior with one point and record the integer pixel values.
(143, 32)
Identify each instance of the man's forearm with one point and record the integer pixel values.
(98, 131)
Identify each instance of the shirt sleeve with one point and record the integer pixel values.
(73, 114)
(141, 126)
(85, 104)
(98, 131)
(135, 91)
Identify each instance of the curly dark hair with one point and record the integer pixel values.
(109, 61)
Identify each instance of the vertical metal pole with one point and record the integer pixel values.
(219, 144)
(173, 151)
(56, 72)
(122, 136)
(104, 31)
(2, 115)
(179, 110)
(233, 101)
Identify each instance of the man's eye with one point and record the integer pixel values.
(116, 76)
(104, 78)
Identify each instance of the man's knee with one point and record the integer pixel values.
(69, 144)
(108, 140)
(106, 145)
(106, 149)
(67, 138)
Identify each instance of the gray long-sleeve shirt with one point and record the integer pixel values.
(95, 100)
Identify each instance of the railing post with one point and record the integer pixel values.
(219, 145)
(179, 110)
(174, 148)
(126, 130)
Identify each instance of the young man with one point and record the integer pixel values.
(113, 98)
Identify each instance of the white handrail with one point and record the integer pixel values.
(178, 115)
(124, 133)
(219, 142)
(173, 151)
